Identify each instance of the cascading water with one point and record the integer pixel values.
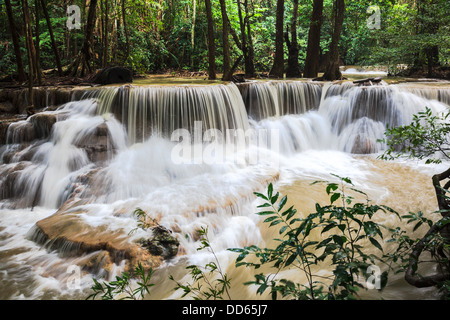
(80, 171)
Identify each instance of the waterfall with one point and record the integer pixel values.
(277, 98)
(88, 164)
(159, 110)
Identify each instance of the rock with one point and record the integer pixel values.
(7, 107)
(113, 75)
(98, 144)
(162, 243)
(68, 234)
(363, 146)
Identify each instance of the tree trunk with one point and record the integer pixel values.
(332, 71)
(15, 40)
(106, 34)
(84, 57)
(52, 37)
(194, 13)
(293, 68)
(444, 229)
(38, 40)
(211, 45)
(249, 60)
(313, 49)
(30, 51)
(225, 43)
(278, 62)
(125, 29)
(243, 34)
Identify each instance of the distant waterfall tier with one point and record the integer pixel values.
(278, 98)
(359, 115)
(159, 110)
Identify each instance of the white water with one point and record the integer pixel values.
(315, 141)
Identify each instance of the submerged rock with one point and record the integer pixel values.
(162, 243)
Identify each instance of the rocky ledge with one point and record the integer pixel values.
(100, 247)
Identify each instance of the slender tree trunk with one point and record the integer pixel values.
(194, 13)
(125, 29)
(84, 57)
(15, 40)
(246, 41)
(38, 40)
(52, 37)
(293, 69)
(313, 49)
(225, 43)
(278, 63)
(106, 33)
(332, 71)
(30, 51)
(250, 65)
(243, 33)
(211, 45)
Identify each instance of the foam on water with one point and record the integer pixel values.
(319, 134)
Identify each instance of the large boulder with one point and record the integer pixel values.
(113, 75)
(68, 234)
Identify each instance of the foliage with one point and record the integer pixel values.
(427, 136)
(208, 282)
(434, 245)
(123, 287)
(345, 228)
(158, 34)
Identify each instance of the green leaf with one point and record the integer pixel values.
(375, 243)
(260, 195)
(264, 213)
(290, 259)
(282, 203)
(274, 198)
(335, 197)
(270, 191)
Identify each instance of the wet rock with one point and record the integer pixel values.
(7, 107)
(113, 75)
(363, 146)
(98, 145)
(162, 243)
(67, 233)
(43, 124)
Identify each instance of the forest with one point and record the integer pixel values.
(43, 39)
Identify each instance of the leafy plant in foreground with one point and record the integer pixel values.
(122, 287)
(427, 136)
(343, 228)
(209, 282)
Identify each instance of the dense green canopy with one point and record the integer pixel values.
(172, 35)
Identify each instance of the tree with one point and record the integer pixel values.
(211, 45)
(32, 65)
(15, 39)
(277, 70)
(38, 51)
(313, 50)
(227, 73)
(332, 71)
(52, 37)
(84, 56)
(246, 39)
(427, 137)
(293, 68)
